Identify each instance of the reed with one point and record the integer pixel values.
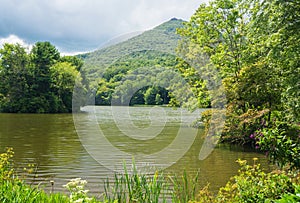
(136, 187)
(184, 187)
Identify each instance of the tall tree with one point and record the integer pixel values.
(43, 56)
(241, 40)
(218, 30)
(254, 45)
(39, 82)
(14, 74)
(63, 78)
(275, 31)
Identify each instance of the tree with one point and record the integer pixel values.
(218, 30)
(63, 76)
(196, 83)
(43, 56)
(150, 96)
(39, 82)
(233, 34)
(254, 45)
(275, 31)
(14, 75)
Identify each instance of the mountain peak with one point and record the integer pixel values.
(171, 25)
(176, 19)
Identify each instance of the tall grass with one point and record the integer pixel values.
(17, 191)
(184, 187)
(136, 187)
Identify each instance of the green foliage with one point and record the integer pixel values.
(63, 76)
(291, 198)
(251, 184)
(116, 75)
(43, 56)
(136, 187)
(184, 188)
(162, 38)
(254, 185)
(38, 82)
(18, 191)
(281, 143)
(6, 165)
(275, 33)
(253, 47)
(15, 76)
(217, 30)
(13, 189)
(196, 83)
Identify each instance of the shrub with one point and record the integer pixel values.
(252, 184)
(281, 142)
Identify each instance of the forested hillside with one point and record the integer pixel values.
(116, 73)
(108, 67)
(162, 38)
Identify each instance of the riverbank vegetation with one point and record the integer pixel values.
(40, 81)
(251, 184)
(253, 47)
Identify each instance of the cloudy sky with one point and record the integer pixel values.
(82, 25)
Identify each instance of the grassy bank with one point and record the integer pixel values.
(251, 184)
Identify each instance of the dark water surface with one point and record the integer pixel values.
(52, 143)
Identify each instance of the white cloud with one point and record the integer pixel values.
(13, 39)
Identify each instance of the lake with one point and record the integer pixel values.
(93, 145)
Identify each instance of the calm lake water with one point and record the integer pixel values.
(63, 150)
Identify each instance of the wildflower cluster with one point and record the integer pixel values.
(6, 164)
(77, 192)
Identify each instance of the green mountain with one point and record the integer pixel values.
(154, 44)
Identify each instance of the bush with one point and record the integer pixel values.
(252, 184)
(291, 198)
(281, 142)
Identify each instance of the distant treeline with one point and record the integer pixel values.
(112, 85)
(40, 81)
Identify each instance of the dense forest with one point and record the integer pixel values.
(40, 81)
(114, 74)
(254, 48)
